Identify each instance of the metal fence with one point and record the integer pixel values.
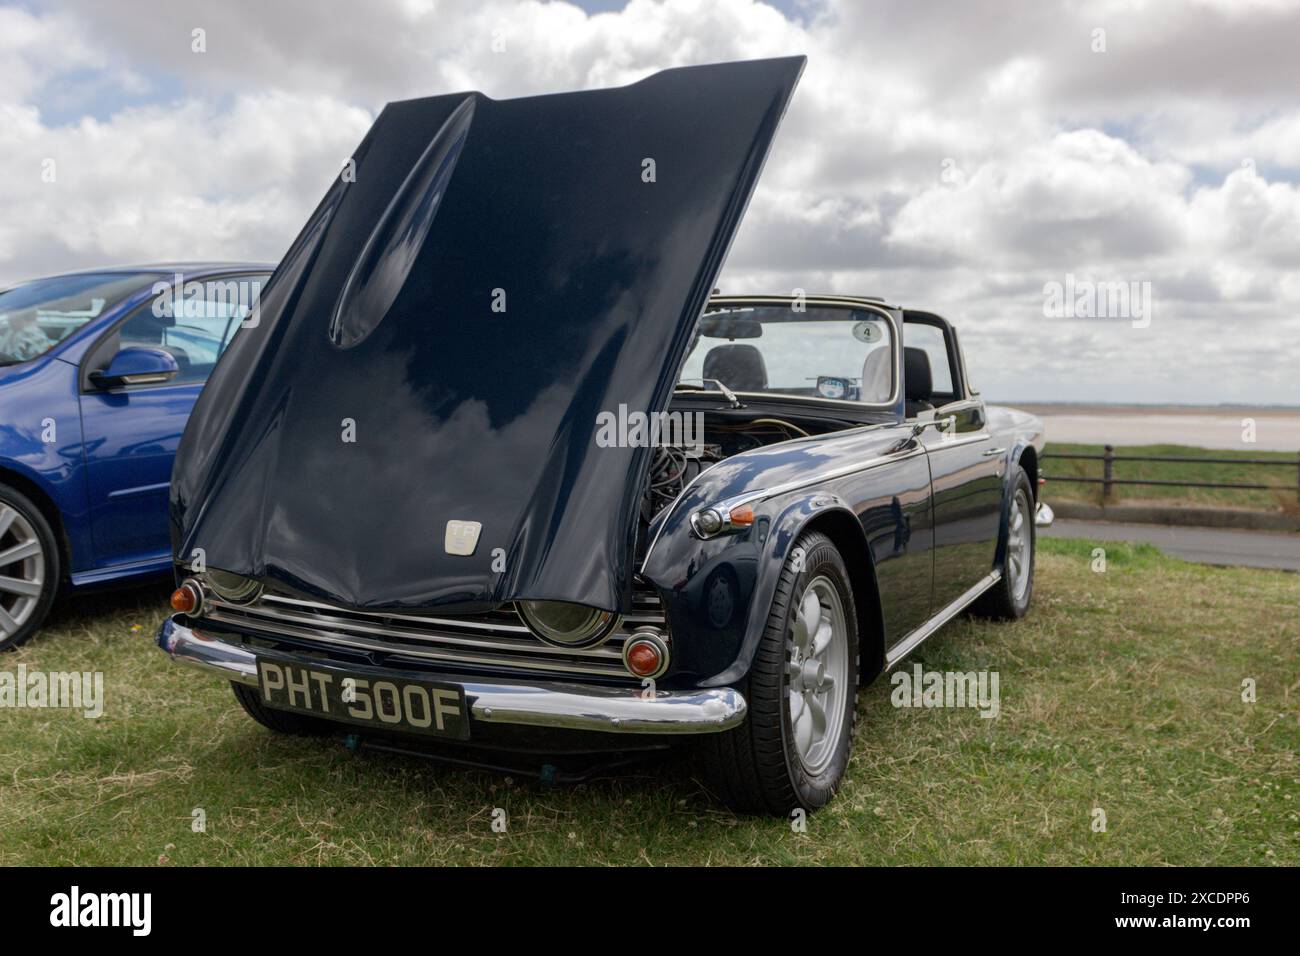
(1108, 479)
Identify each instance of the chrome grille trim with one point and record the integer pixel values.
(494, 639)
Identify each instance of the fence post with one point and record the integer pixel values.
(1108, 471)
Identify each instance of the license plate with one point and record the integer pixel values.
(372, 699)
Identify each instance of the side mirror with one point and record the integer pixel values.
(136, 366)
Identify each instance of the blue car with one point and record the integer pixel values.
(98, 373)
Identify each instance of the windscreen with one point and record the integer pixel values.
(843, 354)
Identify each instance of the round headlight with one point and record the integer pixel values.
(232, 587)
(568, 625)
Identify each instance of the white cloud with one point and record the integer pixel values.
(950, 157)
(1081, 195)
(174, 182)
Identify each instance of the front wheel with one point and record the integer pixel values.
(1008, 599)
(793, 748)
(29, 567)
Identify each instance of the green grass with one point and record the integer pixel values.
(1120, 690)
(1175, 471)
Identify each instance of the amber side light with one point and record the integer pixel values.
(742, 515)
(186, 599)
(643, 659)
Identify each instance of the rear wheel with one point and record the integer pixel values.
(793, 748)
(281, 721)
(1009, 597)
(29, 568)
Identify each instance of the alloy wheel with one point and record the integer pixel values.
(22, 571)
(817, 675)
(1019, 546)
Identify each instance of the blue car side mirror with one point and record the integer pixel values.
(136, 366)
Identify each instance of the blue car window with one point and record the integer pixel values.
(38, 315)
(193, 329)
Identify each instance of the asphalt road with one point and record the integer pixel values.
(1252, 549)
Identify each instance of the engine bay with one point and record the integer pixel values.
(674, 466)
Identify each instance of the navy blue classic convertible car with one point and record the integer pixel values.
(496, 472)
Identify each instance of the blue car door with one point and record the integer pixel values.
(131, 432)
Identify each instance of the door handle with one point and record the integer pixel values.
(992, 451)
(947, 423)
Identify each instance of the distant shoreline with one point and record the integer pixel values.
(1267, 428)
(1101, 408)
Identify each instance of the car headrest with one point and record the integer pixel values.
(877, 376)
(736, 366)
(916, 375)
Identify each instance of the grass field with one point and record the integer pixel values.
(1176, 471)
(1120, 691)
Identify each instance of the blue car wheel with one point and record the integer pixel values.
(29, 568)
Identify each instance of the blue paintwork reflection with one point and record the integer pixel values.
(99, 461)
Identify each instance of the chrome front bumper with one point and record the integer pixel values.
(568, 706)
(1044, 515)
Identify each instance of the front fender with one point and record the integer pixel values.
(717, 593)
(1025, 436)
(41, 444)
(868, 488)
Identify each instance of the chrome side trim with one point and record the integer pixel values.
(913, 640)
(668, 509)
(797, 484)
(959, 442)
(836, 473)
(526, 703)
(794, 485)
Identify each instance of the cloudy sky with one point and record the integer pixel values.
(958, 157)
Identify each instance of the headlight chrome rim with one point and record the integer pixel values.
(236, 590)
(594, 631)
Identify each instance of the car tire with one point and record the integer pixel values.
(281, 721)
(776, 761)
(1009, 598)
(30, 569)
